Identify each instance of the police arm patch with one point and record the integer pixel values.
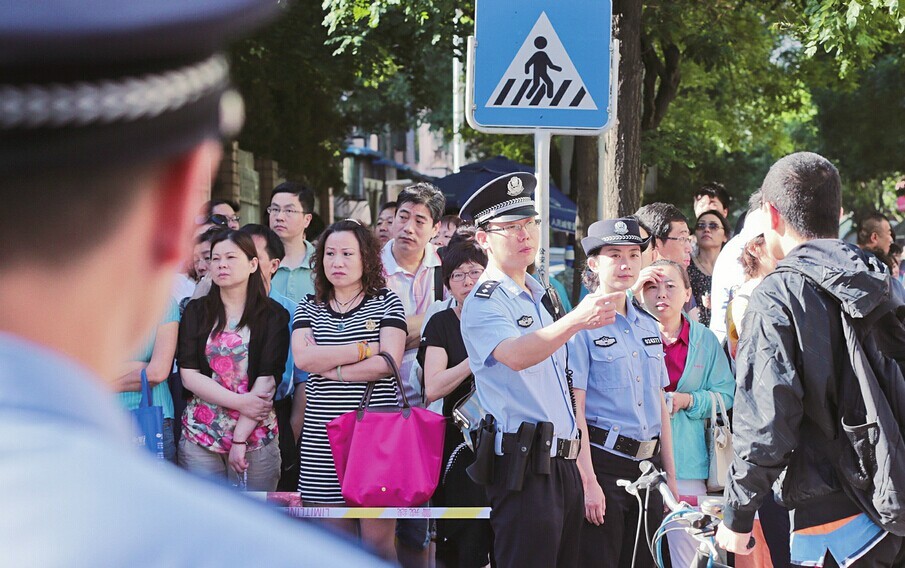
(525, 321)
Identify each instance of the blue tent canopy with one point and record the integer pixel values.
(460, 186)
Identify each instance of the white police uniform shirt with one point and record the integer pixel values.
(496, 312)
(75, 491)
(622, 368)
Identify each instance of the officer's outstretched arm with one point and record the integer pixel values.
(519, 353)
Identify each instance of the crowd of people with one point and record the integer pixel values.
(274, 332)
(278, 328)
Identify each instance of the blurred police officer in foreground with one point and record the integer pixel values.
(111, 118)
(529, 442)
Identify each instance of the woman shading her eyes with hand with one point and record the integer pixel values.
(696, 367)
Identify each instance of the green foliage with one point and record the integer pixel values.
(862, 130)
(291, 82)
(851, 31)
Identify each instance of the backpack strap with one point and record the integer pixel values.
(438, 282)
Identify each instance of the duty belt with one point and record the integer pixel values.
(565, 448)
(628, 446)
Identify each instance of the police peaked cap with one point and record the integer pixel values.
(91, 82)
(509, 197)
(619, 232)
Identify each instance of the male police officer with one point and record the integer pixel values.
(110, 117)
(516, 352)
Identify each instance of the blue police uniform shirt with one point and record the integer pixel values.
(536, 394)
(622, 368)
(292, 374)
(75, 491)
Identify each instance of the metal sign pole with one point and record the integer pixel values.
(542, 199)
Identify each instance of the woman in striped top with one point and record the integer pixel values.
(351, 317)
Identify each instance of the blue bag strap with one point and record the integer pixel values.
(147, 399)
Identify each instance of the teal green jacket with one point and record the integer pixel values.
(706, 370)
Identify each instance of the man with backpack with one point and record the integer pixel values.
(797, 384)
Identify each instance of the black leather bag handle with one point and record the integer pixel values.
(391, 363)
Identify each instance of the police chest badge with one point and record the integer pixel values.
(525, 321)
(514, 187)
(652, 341)
(370, 325)
(605, 341)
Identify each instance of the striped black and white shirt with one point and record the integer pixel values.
(328, 399)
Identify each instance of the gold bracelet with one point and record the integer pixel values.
(361, 350)
(367, 350)
(339, 373)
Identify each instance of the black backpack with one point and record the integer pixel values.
(870, 447)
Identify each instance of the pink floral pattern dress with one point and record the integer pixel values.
(211, 426)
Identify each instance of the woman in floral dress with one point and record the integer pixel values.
(233, 342)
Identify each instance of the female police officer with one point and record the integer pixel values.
(516, 352)
(619, 375)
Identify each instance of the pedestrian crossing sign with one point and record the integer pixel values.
(541, 64)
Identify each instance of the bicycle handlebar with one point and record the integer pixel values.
(652, 477)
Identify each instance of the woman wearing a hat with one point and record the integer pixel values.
(618, 374)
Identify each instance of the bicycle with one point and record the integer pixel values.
(701, 525)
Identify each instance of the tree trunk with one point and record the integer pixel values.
(585, 200)
(622, 171)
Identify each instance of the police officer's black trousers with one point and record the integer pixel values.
(539, 525)
(610, 544)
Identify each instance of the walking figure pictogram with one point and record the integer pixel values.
(541, 63)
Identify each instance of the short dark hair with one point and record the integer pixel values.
(658, 217)
(304, 194)
(895, 249)
(453, 220)
(79, 206)
(426, 194)
(641, 223)
(210, 233)
(273, 245)
(806, 190)
(387, 205)
(215, 202)
(372, 278)
(458, 253)
(868, 225)
(717, 190)
(463, 233)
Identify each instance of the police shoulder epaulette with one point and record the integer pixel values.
(486, 288)
(641, 310)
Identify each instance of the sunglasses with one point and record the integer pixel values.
(712, 226)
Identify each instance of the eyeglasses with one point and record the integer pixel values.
(460, 276)
(235, 218)
(289, 211)
(514, 229)
(683, 240)
(712, 226)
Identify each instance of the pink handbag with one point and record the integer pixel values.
(387, 456)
